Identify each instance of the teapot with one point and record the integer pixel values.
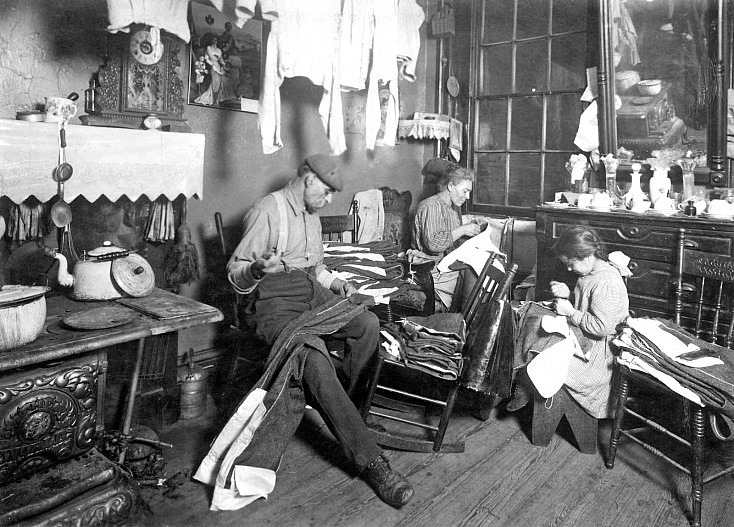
(106, 273)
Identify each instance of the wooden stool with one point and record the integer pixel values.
(547, 414)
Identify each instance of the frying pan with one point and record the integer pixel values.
(64, 170)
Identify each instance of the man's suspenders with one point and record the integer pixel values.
(283, 223)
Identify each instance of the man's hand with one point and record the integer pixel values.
(269, 263)
(348, 289)
(559, 290)
(564, 307)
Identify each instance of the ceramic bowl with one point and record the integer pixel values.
(650, 87)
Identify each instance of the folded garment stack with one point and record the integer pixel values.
(698, 370)
(430, 344)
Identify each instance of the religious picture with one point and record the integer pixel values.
(226, 61)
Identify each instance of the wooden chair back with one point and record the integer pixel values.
(704, 290)
(334, 227)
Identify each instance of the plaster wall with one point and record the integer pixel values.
(52, 48)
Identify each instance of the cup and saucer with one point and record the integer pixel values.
(719, 209)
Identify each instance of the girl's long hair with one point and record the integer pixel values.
(579, 241)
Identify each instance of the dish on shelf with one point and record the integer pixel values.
(717, 216)
(556, 204)
(664, 212)
(600, 209)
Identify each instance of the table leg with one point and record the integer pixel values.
(131, 395)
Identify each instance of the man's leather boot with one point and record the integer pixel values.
(387, 483)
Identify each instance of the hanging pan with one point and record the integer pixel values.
(63, 170)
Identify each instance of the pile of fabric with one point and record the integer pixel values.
(430, 344)
(372, 267)
(695, 369)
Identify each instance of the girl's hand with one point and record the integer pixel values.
(559, 289)
(564, 307)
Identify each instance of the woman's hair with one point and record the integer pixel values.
(454, 174)
(579, 241)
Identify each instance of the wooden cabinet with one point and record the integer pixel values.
(648, 239)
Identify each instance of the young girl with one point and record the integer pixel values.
(600, 303)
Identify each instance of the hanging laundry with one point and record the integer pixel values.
(410, 19)
(303, 42)
(243, 10)
(170, 15)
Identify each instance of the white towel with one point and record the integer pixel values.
(371, 214)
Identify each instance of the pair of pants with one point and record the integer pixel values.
(282, 297)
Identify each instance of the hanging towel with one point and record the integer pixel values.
(170, 15)
(371, 214)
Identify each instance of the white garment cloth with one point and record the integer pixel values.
(355, 43)
(303, 42)
(384, 72)
(247, 483)
(170, 15)
(371, 215)
(549, 369)
(243, 10)
(410, 19)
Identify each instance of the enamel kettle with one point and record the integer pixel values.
(106, 273)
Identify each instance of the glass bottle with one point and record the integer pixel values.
(610, 167)
(659, 183)
(635, 194)
(687, 165)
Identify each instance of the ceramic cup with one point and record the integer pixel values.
(719, 207)
(584, 201)
(59, 109)
(698, 203)
(665, 204)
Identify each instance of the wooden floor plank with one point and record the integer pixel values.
(501, 480)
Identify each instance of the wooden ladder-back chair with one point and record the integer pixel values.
(333, 228)
(496, 285)
(247, 352)
(704, 283)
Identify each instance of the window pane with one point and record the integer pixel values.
(532, 18)
(495, 69)
(524, 180)
(491, 125)
(532, 66)
(568, 56)
(498, 21)
(527, 119)
(563, 112)
(557, 177)
(569, 15)
(489, 187)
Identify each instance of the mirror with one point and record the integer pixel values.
(663, 79)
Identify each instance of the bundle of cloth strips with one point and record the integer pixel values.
(431, 344)
(698, 370)
(373, 267)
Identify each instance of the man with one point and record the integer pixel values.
(281, 264)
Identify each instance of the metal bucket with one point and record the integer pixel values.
(193, 394)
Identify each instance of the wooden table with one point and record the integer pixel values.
(52, 403)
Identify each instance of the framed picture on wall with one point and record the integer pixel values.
(226, 61)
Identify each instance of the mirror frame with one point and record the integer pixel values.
(719, 55)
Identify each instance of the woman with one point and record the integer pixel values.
(215, 62)
(437, 230)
